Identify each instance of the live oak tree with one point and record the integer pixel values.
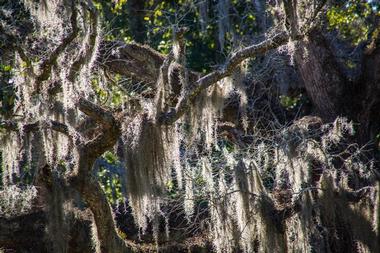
(201, 147)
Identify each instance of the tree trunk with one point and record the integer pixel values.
(323, 82)
(334, 89)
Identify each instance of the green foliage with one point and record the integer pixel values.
(115, 19)
(111, 185)
(118, 5)
(353, 19)
(109, 181)
(110, 158)
(5, 68)
(7, 93)
(290, 102)
(152, 21)
(109, 92)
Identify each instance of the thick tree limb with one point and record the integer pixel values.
(290, 8)
(109, 240)
(103, 141)
(54, 125)
(96, 112)
(106, 138)
(87, 185)
(132, 60)
(15, 234)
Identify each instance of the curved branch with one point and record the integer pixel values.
(96, 112)
(132, 60)
(108, 135)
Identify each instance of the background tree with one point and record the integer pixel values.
(251, 126)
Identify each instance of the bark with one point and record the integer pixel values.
(367, 96)
(49, 226)
(107, 238)
(336, 91)
(16, 236)
(323, 81)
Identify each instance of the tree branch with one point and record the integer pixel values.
(51, 60)
(85, 55)
(109, 240)
(96, 112)
(108, 135)
(54, 125)
(226, 70)
(132, 60)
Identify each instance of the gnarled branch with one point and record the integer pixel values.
(96, 112)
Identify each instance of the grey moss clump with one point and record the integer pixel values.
(15, 201)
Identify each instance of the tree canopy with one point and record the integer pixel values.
(201, 126)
